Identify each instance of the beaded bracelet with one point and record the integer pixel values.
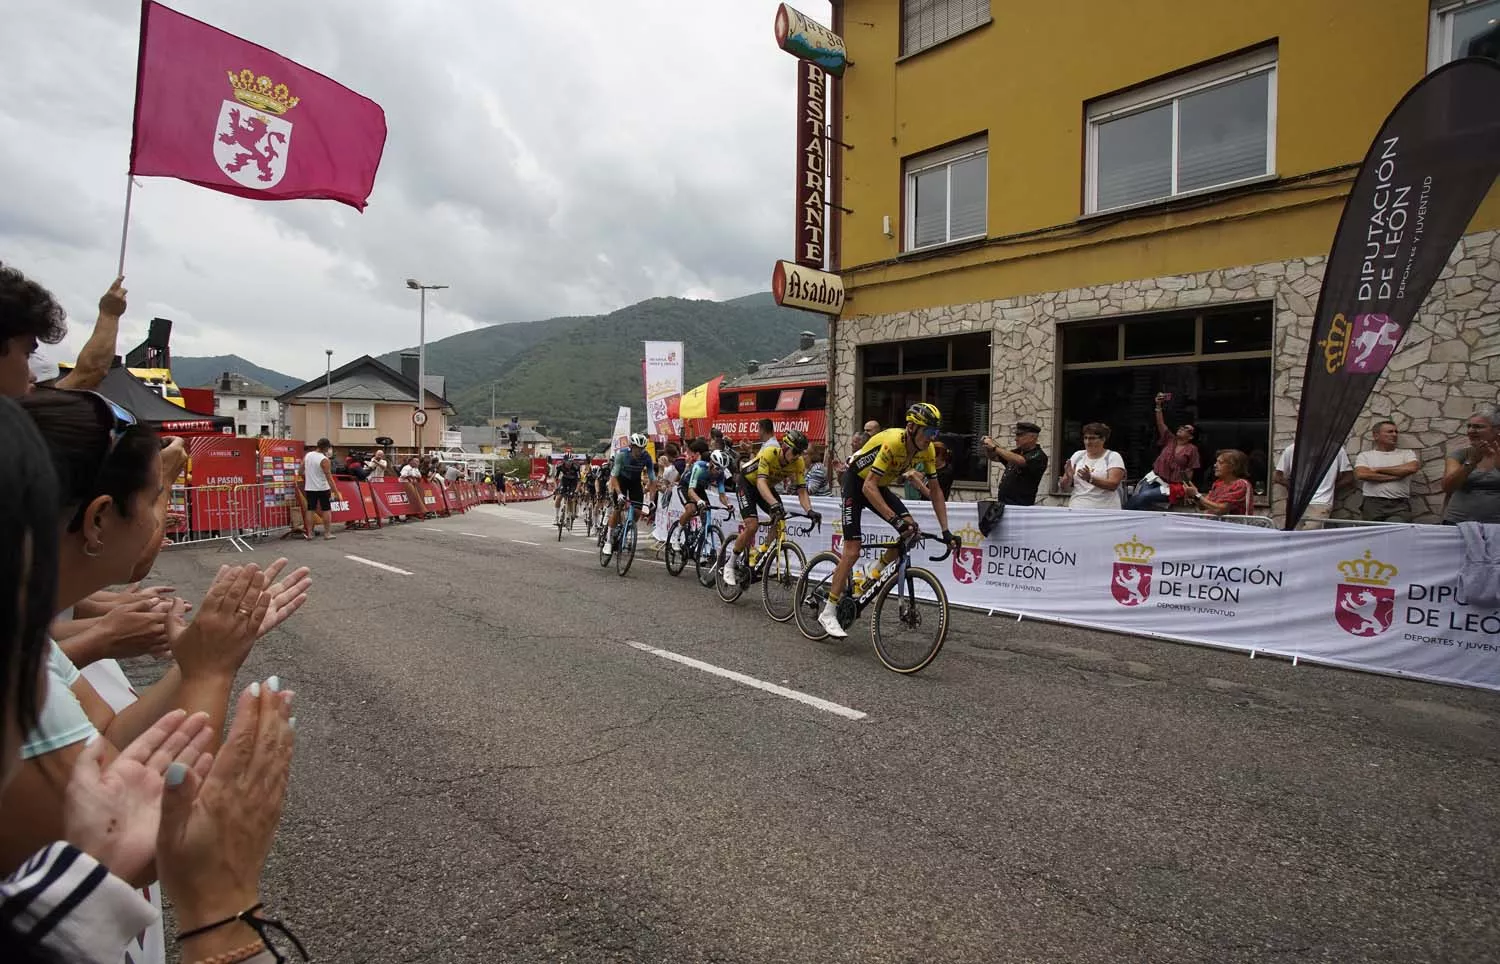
(237, 955)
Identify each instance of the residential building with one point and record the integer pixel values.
(252, 405)
(791, 391)
(1056, 211)
(366, 400)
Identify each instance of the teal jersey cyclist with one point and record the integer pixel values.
(630, 463)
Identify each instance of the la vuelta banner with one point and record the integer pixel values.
(663, 375)
(1433, 162)
(1383, 599)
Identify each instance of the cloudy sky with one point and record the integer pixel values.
(543, 159)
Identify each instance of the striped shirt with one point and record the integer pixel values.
(67, 902)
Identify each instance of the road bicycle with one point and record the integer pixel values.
(586, 509)
(622, 538)
(918, 605)
(567, 514)
(775, 562)
(701, 541)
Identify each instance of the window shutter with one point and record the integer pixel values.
(968, 191)
(928, 22)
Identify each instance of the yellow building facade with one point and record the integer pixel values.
(1056, 211)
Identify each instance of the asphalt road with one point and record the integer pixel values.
(487, 771)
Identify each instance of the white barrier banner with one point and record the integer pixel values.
(1378, 598)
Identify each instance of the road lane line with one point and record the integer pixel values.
(432, 529)
(525, 543)
(817, 702)
(380, 565)
(473, 535)
(590, 552)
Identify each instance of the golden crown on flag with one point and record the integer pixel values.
(260, 93)
(970, 536)
(1135, 551)
(1368, 571)
(1336, 345)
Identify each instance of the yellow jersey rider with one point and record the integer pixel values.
(770, 465)
(882, 461)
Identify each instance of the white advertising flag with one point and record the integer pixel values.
(663, 376)
(622, 427)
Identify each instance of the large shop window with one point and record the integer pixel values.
(947, 192)
(926, 23)
(952, 373)
(1463, 28)
(1216, 364)
(1208, 129)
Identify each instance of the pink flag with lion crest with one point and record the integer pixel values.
(230, 115)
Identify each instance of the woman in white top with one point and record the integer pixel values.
(1094, 473)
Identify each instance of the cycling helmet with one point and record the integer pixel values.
(924, 414)
(719, 458)
(639, 440)
(795, 440)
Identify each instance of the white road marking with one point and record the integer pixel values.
(431, 529)
(817, 702)
(473, 535)
(525, 543)
(380, 565)
(591, 552)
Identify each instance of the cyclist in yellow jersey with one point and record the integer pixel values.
(880, 462)
(770, 465)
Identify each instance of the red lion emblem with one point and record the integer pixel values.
(247, 135)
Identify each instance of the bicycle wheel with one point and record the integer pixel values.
(709, 555)
(588, 521)
(811, 592)
(557, 519)
(625, 555)
(678, 543)
(778, 582)
(742, 574)
(916, 621)
(606, 537)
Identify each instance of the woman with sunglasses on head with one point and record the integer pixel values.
(109, 481)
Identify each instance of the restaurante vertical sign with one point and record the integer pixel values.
(812, 164)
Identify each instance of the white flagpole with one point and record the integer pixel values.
(125, 228)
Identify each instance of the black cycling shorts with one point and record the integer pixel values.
(567, 486)
(855, 504)
(751, 499)
(632, 489)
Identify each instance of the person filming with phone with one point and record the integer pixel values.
(1175, 464)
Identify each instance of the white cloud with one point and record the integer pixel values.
(543, 159)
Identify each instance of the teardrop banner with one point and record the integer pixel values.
(1433, 162)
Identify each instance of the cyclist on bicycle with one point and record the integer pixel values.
(693, 490)
(773, 463)
(625, 480)
(567, 483)
(881, 462)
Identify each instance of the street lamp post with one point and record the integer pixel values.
(422, 289)
(328, 394)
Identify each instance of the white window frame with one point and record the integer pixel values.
(943, 157)
(265, 405)
(1172, 90)
(367, 409)
(1440, 30)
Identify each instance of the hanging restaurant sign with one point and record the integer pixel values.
(806, 39)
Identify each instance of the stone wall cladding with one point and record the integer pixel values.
(1448, 364)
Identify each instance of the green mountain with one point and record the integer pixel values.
(572, 373)
(205, 370)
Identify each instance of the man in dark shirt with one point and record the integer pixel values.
(1025, 465)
